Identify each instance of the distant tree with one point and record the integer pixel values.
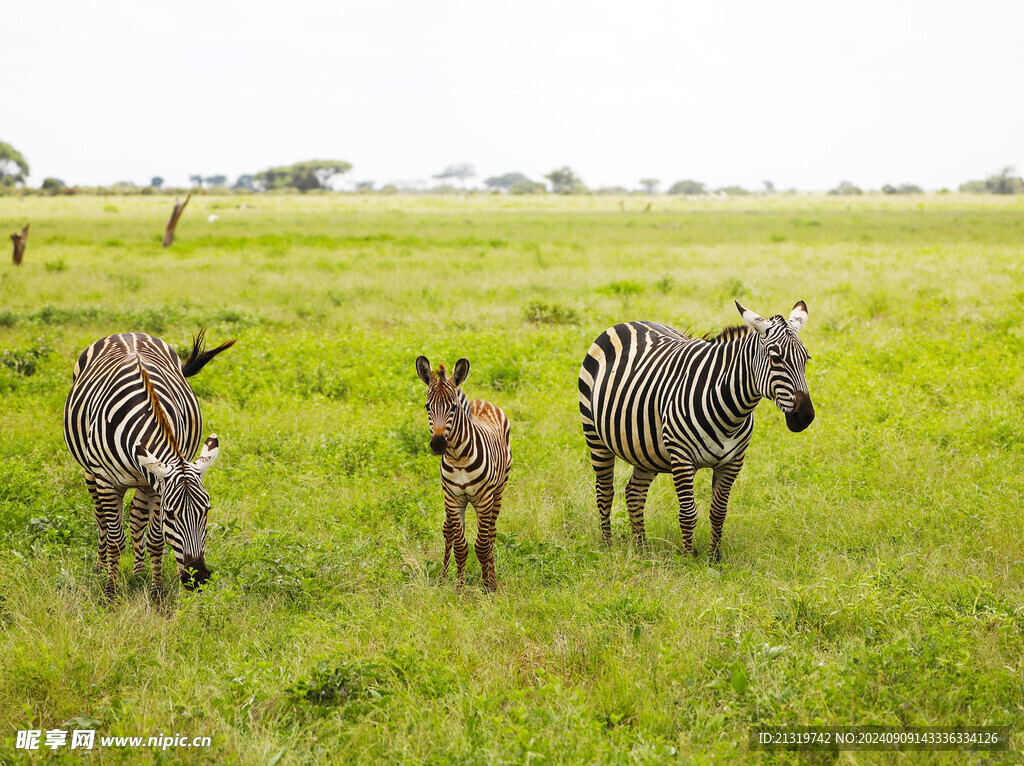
(364, 186)
(564, 181)
(650, 185)
(196, 181)
(1003, 182)
(244, 183)
(846, 188)
(13, 167)
(902, 189)
(156, 182)
(733, 191)
(461, 170)
(769, 187)
(304, 176)
(527, 187)
(52, 186)
(216, 180)
(688, 187)
(506, 181)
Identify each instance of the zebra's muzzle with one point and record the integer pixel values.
(194, 573)
(802, 413)
(438, 444)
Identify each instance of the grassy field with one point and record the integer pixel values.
(872, 569)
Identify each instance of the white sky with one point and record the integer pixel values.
(804, 94)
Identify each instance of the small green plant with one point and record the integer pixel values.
(543, 313)
(57, 265)
(354, 687)
(24, 361)
(622, 288)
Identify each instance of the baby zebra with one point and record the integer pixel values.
(472, 437)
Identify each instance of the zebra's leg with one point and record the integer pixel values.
(495, 511)
(90, 483)
(486, 520)
(109, 510)
(603, 461)
(155, 545)
(458, 513)
(450, 520)
(682, 474)
(636, 497)
(137, 519)
(723, 478)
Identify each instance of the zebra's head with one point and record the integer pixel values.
(185, 505)
(782, 362)
(442, 397)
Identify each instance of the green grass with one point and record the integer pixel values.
(872, 569)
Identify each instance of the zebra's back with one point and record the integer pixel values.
(642, 382)
(109, 413)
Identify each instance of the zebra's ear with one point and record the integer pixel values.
(423, 369)
(152, 463)
(461, 371)
(756, 321)
(211, 449)
(798, 316)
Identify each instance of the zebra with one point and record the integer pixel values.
(473, 439)
(131, 421)
(668, 403)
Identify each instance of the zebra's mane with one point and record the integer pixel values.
(158, 410)
(729, 334)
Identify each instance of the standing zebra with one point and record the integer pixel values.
(473, 439)
(668, 403)
(132, 421)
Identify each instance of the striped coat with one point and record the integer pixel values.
(473, 440)
(132, 422)
(668, 403)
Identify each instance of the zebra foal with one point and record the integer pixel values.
(132, 421)
(668, 403)
(472, 438)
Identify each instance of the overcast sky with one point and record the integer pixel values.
(804, 94)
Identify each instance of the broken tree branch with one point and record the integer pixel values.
(19, 241)
(171, 224)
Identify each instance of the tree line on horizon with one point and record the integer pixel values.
(317, 176)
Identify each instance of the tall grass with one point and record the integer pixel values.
(871, 572)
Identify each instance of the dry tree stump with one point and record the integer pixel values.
(19, 241)
(179, 207)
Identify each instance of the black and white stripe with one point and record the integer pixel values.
(668, 403)
(132, 421)
(473, 439)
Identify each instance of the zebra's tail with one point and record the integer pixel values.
(199, 356)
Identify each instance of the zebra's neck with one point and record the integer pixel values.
(459, 436)
(739, 385)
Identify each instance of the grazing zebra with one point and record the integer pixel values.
(668, 403)
(132, 421)
(472, 437)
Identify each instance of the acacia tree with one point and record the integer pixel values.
(304, 176)
(13, 167)
(650, 185)
(460, 170)
(688, 187)
(506, 181)
(564, 181)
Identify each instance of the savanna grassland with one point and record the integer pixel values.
(872, 566)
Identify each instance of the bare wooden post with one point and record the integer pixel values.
(171, 224)
(19, 241)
